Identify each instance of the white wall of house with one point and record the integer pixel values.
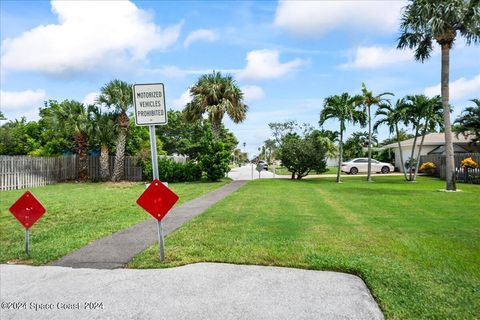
(406, 151)
(332, 162)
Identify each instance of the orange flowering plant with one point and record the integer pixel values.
(469, 163)
(428, 167)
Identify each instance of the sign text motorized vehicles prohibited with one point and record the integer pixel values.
(149, 104)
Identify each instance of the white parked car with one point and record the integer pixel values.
(357, 165)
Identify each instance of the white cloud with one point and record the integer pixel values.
(460, 88)
(88, 35)
(376, 57)
(180, 103)
(316, 18)
(15, 100)
(200, 35)
(252, 93)
(90, 98)
(176, 72)
(265, 64)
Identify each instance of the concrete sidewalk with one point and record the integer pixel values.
(198, 291)
(116, 250)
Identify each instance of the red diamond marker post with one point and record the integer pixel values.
(27, 209)
(157, 200)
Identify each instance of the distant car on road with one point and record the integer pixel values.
(265, 164)
(357, 165)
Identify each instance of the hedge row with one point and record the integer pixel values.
(170, 171)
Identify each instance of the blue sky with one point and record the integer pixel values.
(287, 56)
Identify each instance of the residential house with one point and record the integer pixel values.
(434, 143)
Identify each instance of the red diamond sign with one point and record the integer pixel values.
(157, 199)
(27, 209)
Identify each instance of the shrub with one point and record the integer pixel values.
(213, 158)
(428, 167)
(411, 161)
(170, 171)
(301, 155)
(469, 163)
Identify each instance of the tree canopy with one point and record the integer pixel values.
(468, 123)
(216, 95)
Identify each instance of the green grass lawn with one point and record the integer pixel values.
(78, 213)
(284, 171)
(417, 249)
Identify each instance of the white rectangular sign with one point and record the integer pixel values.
(149, 104)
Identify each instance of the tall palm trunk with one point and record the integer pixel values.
(369, 173)
(118, 169)
(81, 149)
(104, 163)
(450, 165)
(402, 164)
(216, 130)
(340, 153)
(424, 131)
(410, 162)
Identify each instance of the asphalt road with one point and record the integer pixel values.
(197, 291)
(245, 173)
(248, 171)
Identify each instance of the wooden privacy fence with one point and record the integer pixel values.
(462, 174)
(131, 168)
(18, 172)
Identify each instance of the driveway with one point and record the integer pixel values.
(197, 291)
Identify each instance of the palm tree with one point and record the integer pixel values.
(355, 145)
(468, 124)
(343, 108)
(424, 21)
(431, 110)
(104, 130)
(71, 117)
(412, 115)
(216, 95)
(118, 95)
(271, 146)
(418, 108)
(392, 115)
(369, 100)
(327, 138)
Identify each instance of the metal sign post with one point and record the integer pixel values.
(260, 168)
(27, 209)
(27, 242)
(153, 151)
(150, 109)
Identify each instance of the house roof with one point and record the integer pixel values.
(456, 149)
(431, 139)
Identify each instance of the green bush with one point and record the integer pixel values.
(214, 158)
(170, 171)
